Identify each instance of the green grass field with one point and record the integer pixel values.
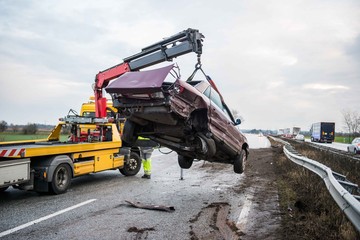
(8, 137)
(339, 139)
(343, 139)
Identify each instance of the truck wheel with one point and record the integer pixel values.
(132, 166)
(185, 162)
(61, 179)
(239, 162)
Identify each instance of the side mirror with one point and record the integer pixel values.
(237, 121)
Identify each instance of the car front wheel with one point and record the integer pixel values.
(239, 162)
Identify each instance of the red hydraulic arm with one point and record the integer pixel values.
(184, 42)
(102, 80)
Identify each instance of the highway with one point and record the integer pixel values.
(335, 145)
(94, 207)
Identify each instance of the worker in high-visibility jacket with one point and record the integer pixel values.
(146, 148)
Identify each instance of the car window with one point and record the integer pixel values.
(214, 96)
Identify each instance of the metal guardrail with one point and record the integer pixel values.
(335, 183)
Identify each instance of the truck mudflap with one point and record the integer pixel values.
(14, 172)
(44, 169)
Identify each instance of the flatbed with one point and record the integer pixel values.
(47, 165)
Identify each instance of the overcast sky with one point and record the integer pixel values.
(280, 64)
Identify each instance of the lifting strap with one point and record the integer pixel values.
(208, 78)
(198, 67)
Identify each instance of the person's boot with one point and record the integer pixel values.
(146, 176)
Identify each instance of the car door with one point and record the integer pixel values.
(221, 124)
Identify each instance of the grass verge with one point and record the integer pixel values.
(308, 210)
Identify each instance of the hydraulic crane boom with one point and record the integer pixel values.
(184, 42)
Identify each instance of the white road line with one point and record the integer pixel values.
(245, 211)
(7, 232)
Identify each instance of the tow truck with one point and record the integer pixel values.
(48, 165)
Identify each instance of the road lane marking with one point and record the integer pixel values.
(245, 211)
(7, 232)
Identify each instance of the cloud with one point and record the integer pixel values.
(319, 86)
(268, 59)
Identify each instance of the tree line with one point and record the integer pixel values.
(351, 122)
(30, 128)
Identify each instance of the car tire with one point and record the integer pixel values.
(61, 179)
(132, 166)
(128, 135)
(239, 162)
(185, 162)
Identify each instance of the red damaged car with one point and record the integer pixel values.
(189, 117)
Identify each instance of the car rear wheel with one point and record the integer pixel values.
(132, 166)
(239, 162)
(129, 136)
(185, 162)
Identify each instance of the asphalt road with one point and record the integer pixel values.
(335, 145)
(105, 214)
(211, 202)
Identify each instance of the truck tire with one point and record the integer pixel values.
(239, 162)
(185, 162)
(132, 166)
(61, 179)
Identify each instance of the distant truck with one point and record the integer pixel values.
(295, 131)
(323, 132)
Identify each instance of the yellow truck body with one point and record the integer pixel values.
(50, 159)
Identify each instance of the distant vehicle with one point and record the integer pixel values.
(296, 131)
(300, 137)
(323, 132)
(354, 147)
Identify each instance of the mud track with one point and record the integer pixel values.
(252, 213)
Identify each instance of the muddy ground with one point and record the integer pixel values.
(305, 209)
(255, 216)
